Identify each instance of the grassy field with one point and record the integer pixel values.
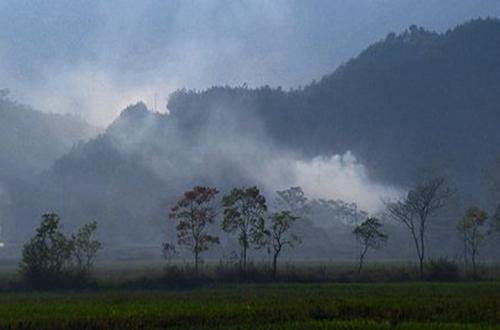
(265, 306)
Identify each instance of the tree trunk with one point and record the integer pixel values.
(196, 264)
(419, 252)
(422, 255)
(421, 266)
(361, 258)
(275, 265)
(474, 270)
(244, 259)
(360, 264)
(465, 249)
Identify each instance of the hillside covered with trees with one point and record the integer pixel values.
(415, 100)
(411, 98)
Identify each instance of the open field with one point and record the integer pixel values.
(264, 306)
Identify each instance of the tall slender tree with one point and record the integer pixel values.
(472, 232)
(417, 208)
(370, 236)
(194, 213)
(278, 235)
(244, 212)
(85, 247)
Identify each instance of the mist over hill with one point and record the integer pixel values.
(30, 141)
(415, 101)
(402, 102)
(94, 58)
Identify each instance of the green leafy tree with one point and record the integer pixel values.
(47, 253)
(472, 232)
(194, 213)
(85, 247)
(349, 213)
(294, 201)
(244, 212)
(278, 235)
(370, 236)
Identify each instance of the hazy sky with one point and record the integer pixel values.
(95, 57)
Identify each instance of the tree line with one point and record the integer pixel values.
(244, 213)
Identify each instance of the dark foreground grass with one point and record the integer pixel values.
(269, 306)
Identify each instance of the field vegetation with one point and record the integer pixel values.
(261, 306)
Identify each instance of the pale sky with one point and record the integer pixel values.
(95, 57)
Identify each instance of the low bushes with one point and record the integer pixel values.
(52, 260)
(442, 269)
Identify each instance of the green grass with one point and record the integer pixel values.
(269, 306)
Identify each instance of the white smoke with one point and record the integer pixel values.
(343, 177)
(233, 148)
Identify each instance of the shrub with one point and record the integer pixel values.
(169, 251)
(50, 259)
(46, 254)
(442, 269)
(84, 248)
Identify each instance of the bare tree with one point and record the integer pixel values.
(195, 212)
(414, 211)
(369, 236)
(470, 228)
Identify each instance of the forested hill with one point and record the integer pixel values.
(414, 99)
(405, 101)
(30, 141)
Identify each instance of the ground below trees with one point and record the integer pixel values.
(267, 306)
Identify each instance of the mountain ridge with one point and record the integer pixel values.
(415, 99)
